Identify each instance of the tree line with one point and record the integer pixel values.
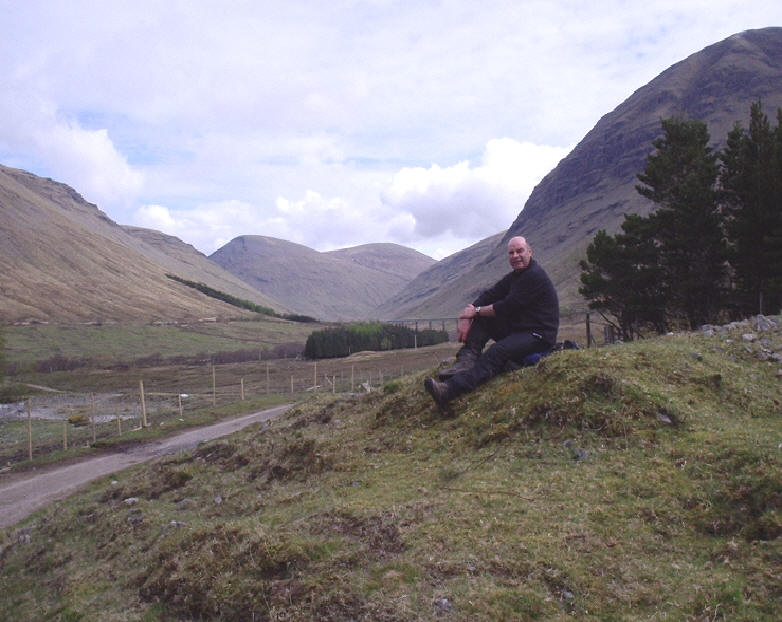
(344, 340)
(712, 249)
(241, 302)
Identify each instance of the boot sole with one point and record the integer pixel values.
(442, 403)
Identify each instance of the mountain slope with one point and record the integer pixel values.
(594, 186)
(63, 260)
(637, 482)
(338, 285)
(421, 297)
(185, 261)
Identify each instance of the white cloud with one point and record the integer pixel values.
(156, 217)
(87, 159)
(328, 124)
(90, 161)
(439, 210)
(472, 202)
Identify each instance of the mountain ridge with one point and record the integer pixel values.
(363, 276)
(64, 260)
(594, 185)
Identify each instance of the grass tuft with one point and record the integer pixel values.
(634, 482)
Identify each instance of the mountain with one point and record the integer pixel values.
(338, 285)
(185, 261)
(594, 186)
(63, 260)
(421, 297)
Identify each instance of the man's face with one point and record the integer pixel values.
(519, 253)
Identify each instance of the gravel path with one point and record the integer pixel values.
(22, 494)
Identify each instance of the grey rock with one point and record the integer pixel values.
(22, 536)
(443, 605)
(173, 525)
(185, 503)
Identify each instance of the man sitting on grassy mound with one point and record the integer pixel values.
(520, 313)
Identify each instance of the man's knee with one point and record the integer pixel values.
(517, 346)
(497, 355)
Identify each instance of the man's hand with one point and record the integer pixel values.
(465, 322)
(467, 313)
(463, 329)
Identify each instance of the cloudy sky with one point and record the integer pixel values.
(332, 123)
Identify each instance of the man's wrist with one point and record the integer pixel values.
(477, 311)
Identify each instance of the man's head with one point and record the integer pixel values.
(519, 253)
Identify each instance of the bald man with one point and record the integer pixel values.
(520, 313)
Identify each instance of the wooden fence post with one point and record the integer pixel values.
(588, 332)
(179, 396)
(143, 404)
(119, 424)
(92, 415)
(64, 434)
(267, 378)
(214, 386)
(241, 388)
(29, 429)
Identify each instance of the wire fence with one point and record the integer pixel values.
(53, 420)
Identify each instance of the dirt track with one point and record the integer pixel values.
(21, 495)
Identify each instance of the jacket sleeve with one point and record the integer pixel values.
(525, 292)
(495, 293)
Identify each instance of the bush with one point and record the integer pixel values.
(343, 341)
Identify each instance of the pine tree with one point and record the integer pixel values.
(752, 182)
(681, 178)
(621, 277)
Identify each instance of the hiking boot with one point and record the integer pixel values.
(439, 392)
(465, 359)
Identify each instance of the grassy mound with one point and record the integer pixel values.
(641, 481)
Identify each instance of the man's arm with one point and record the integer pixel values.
(471, 311)
(466, 317)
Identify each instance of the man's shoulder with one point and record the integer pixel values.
(534, 269)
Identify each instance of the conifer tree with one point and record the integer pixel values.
(752, 181)
(681, 178)
(621, 276)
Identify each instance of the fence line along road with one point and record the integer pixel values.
(23, 494)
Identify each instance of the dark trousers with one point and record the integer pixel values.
(507, 346)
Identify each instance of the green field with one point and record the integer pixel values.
(635, 482)
(209, 393)
(125, 343)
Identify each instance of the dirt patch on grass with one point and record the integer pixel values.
(378, 534)
(295, 458)
(195, 574)
(746, 501)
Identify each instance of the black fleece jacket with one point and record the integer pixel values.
(526, 300)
